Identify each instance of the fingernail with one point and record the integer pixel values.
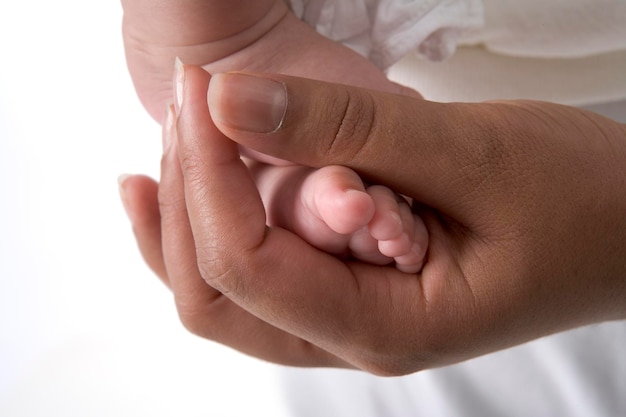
(179, 81)
(167, 134)
(247, 102)
(120, 185)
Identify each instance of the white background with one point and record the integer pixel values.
(85, 328)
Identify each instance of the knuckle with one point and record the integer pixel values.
(387, 365)
(354, 125)
(197, 320)
(169, 206)
(192, 321)
(389, 355)
(223, 269)
(194, 169)
(213, 264)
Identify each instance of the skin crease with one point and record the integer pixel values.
(524, 242)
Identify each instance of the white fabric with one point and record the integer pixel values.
(386, 30)
(584, 39)
(477, 74)
(554, 28)
(567, 51)
(580, 373)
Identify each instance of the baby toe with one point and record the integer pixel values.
(365, 248)
(386, 224)
(395, 247)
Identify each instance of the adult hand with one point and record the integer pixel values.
(524, 203)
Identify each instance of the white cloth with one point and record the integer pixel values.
(552, 29)
(477, 74)
(580, 373)
(568, 51)
(386, 30)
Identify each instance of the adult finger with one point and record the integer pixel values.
(436, 153)
(204, 310)
(139, 196)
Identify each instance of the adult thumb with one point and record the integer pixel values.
(434, 152)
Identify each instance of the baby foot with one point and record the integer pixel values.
(332, 210)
